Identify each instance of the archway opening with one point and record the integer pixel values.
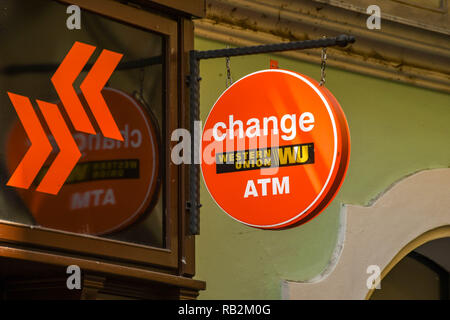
(423, 274)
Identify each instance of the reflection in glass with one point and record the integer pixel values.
(115, 189)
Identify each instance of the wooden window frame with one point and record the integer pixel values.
(174, 258)
(190, 7)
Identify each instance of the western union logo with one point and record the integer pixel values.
(101, 170)
(253, 159)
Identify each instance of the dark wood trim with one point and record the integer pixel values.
(131, 15)
(100, 267)
(172, 197)
(48, 239)
(93, 287)
(187, 256)
(190, 7)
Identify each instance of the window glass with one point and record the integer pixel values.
(115, 188)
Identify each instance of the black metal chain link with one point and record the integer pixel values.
(323, 66)
(229, 80)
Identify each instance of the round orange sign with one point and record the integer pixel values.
(275, 149)
(113, 182)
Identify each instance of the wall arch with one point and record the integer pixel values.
(438, 233)
(411, 212)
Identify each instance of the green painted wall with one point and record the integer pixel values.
(395, 130)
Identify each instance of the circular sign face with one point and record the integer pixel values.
(275, 149)
(113, 182)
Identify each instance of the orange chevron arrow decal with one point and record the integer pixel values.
(92, 85)
(68, 155)
(63, 79)
(40, 148)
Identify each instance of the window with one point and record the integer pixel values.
(130, 181)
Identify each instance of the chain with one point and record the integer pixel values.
(323, 66)
(139, 95)
(141, 82)
(229, 80)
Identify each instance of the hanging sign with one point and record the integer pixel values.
(275, 149)
(113, 182)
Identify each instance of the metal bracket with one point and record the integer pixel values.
(193, 205)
